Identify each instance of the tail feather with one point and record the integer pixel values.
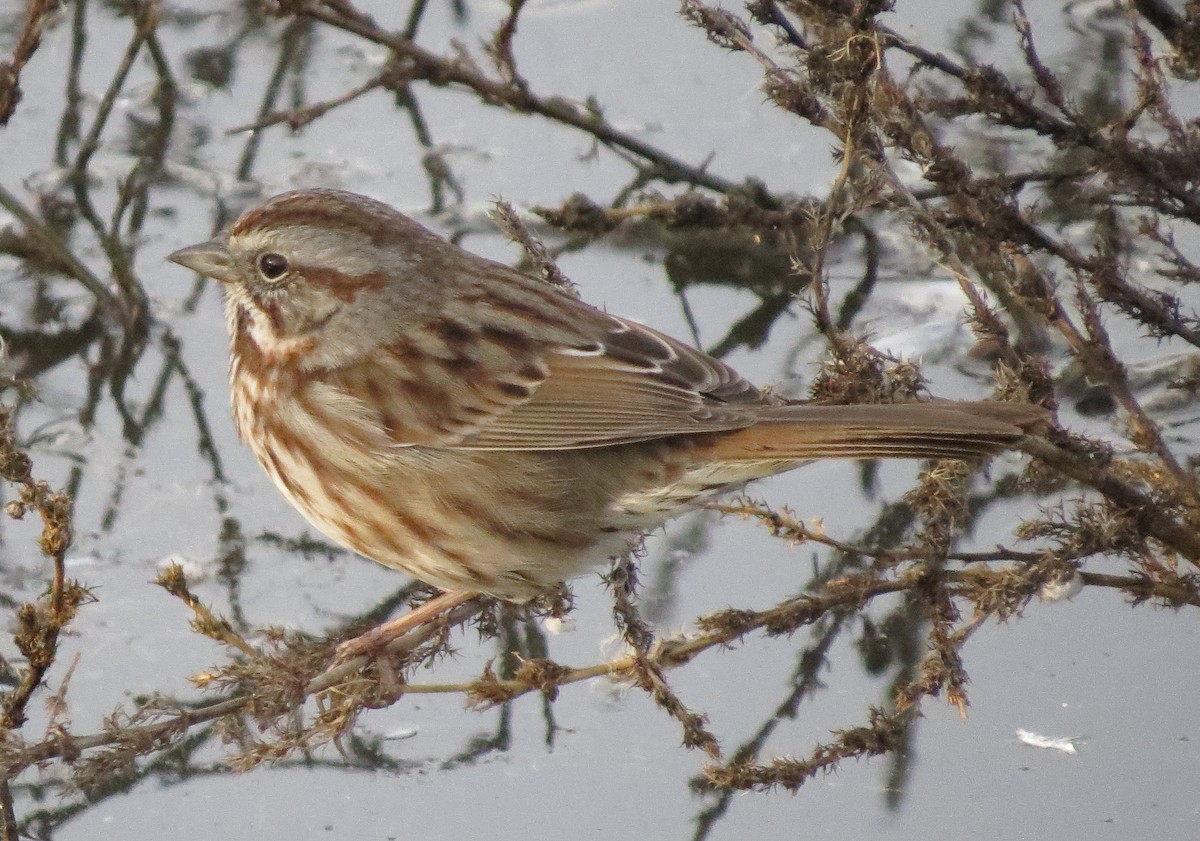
(892, 430)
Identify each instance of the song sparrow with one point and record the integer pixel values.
(486, 431)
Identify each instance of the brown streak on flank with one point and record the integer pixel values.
(285, 438)
(360, 536)
(464, 563)
(391, 515)
(471, 510)
(379, 497)
(295, 489)
(419, 527)
(486, 516)
(563, 538)
(393, 528)
(344, 287)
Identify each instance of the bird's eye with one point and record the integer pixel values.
(272, 266)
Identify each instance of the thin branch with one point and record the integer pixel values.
(37, 15)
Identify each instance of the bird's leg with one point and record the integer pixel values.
(377, 639)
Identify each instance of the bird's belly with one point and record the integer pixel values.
(512, 525)
(507, 523)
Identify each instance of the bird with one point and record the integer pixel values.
(487, 431)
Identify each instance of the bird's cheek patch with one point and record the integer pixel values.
(345, 287)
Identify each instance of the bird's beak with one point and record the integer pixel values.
(208, 258)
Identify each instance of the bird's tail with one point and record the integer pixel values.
(893, 430)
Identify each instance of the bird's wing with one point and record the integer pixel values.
(631, 384)
(509, 362)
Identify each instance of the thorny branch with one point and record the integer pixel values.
(995, 592)
(38, 623)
